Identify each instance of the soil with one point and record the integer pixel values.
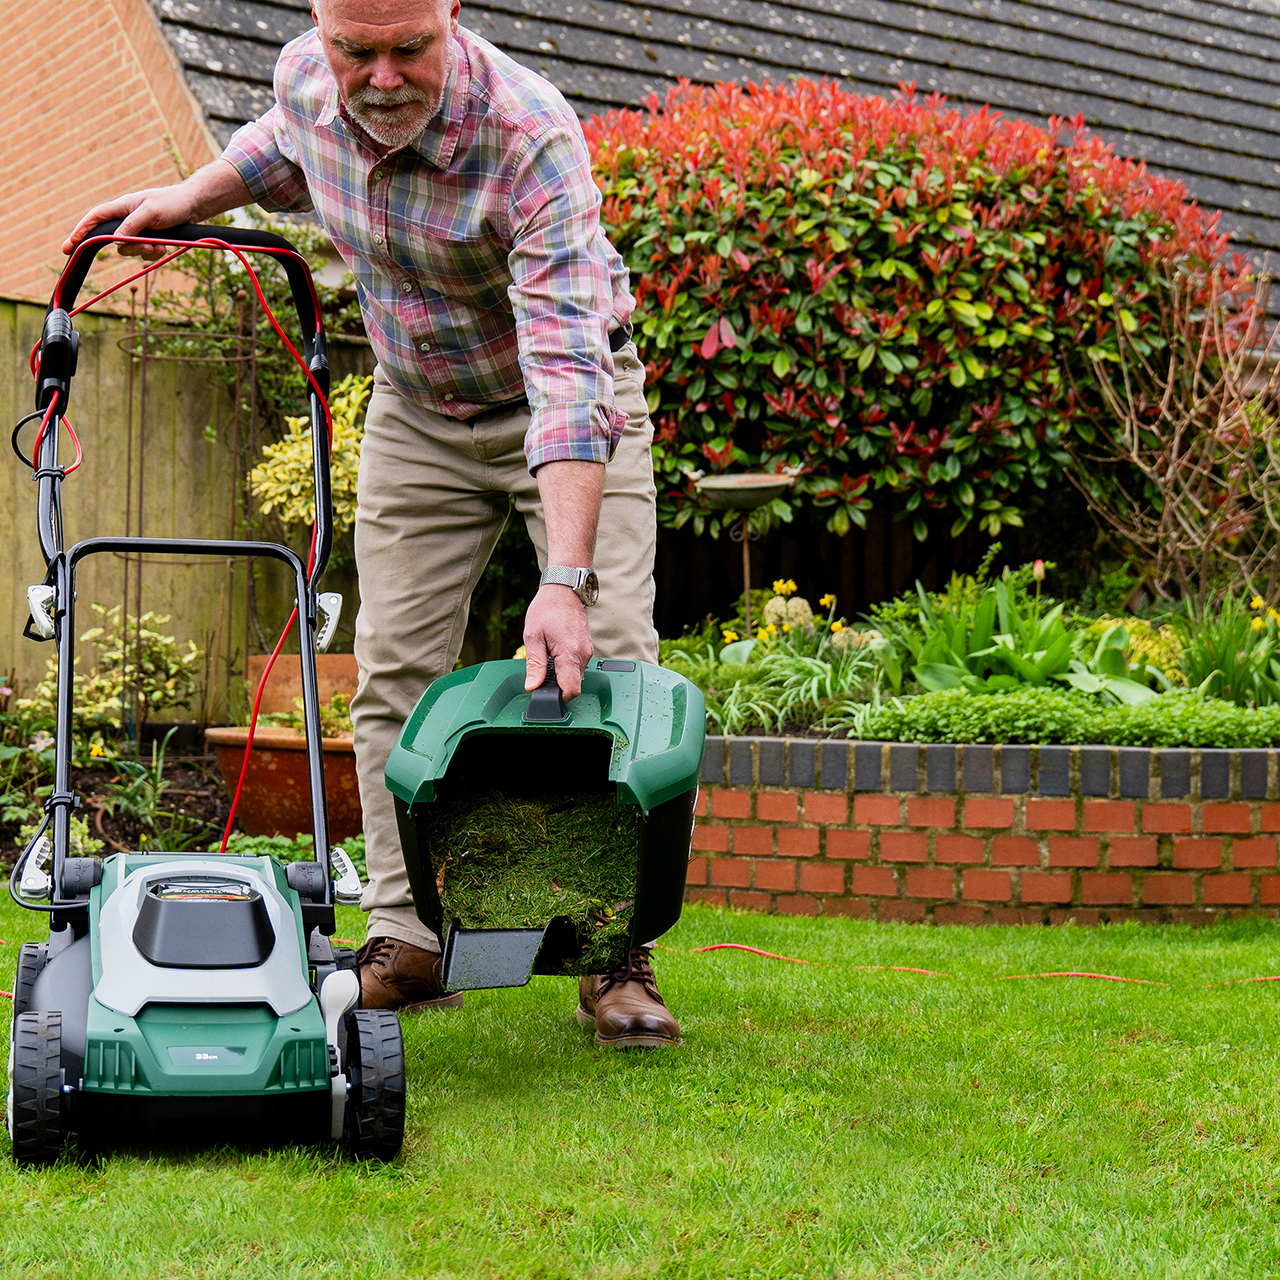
(517, 861)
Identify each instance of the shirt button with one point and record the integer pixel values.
(406, 286)
(376, 174)
(377, 239)
(424, 346)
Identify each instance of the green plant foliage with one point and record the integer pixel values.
(283, 483)
(139, 800)
(299, 848)
(82, 843)
(1232, 651)
(335, 718)
(136, 664)
(882, 298)
(1046, 715)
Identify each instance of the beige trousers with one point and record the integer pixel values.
(432, 502)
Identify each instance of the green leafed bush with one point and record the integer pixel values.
(1037, 715)
(884, 297)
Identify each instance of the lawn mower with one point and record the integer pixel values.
(187, 991)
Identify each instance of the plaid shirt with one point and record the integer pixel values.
(480, 264)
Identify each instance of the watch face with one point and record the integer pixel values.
(589, 592)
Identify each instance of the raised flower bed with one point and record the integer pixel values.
(986, 834)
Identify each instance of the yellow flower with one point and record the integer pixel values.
(1256, 603)
(1274, 615)
(1257, 624)
(786, 626)
(729, 636)
(519, 653)
(96, 750)
(784, 587)
(827, 601)
(836, 627)
(762, 634)
(771, 629)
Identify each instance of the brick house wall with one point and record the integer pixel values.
(983, 834)
(95, 105)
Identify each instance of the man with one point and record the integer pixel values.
(457, 188)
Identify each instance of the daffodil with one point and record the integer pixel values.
(1258, 624)
(836, 627)
(827, 601)
(1257, 602)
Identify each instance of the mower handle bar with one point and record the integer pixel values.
(295, 268)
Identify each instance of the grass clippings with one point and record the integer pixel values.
(506, 860)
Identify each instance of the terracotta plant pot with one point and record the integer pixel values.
(276, 800)
(335, 673)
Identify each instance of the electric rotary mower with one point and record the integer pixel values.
(178, 988)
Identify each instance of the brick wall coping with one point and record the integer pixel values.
(1140, 773)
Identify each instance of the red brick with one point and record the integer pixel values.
(1051, 815)
(731, 804)
(835, 808)
(924, 882)
(697, 872)
(908, 912)
(854, 908)
(1072, 851)
(1040, 886)
(801, 842)
(1194, 915)
(1197, 853)
(1232, 819)
(1075, 915)
(779, 877)
(734, 872)
(903, 846)
(822, 877)
(1108, 815)
(753, 842)
(875, 880)
(712, 836)
(848, 844)
(931, 811)
(1102, 890)
(777, 806)
(959, 915)
(1226, 891)
(708, 897)
(1014, 851)
(1271, 817)
(875, 811)
(1132, 851)
(1015, 915)
(1270, 890)
(1166, 817)
(1130, 915)
(797, 904)
(1254, 853)
(1167, 890)
(987, 886)
(957, 849)
(700, 807)
(988, 813)
(743, 901)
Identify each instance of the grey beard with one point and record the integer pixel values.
(397, 135)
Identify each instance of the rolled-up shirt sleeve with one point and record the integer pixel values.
(562, 299)
(262, 153)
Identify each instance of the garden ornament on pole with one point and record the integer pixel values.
(743, 493)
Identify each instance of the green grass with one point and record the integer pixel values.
(818, 1121)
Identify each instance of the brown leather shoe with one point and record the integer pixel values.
(397, 975)
(625, 1007)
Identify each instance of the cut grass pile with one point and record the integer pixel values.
(819, 1121)
(516, 861)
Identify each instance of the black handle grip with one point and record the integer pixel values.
(546, 703)
(300, 285)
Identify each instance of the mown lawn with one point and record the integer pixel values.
(819, 1121)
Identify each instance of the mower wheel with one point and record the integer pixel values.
(374, 1122)
(36, 1122)
(32, 958)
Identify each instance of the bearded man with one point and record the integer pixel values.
(457, 187)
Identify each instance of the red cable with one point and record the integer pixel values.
(209, 242)
(1102, 977)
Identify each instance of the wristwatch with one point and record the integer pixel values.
(582, 582)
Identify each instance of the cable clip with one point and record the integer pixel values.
(329, 606)
(62, 799)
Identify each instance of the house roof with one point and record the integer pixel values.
(1190, 86)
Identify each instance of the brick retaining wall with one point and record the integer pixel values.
(982, 834)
